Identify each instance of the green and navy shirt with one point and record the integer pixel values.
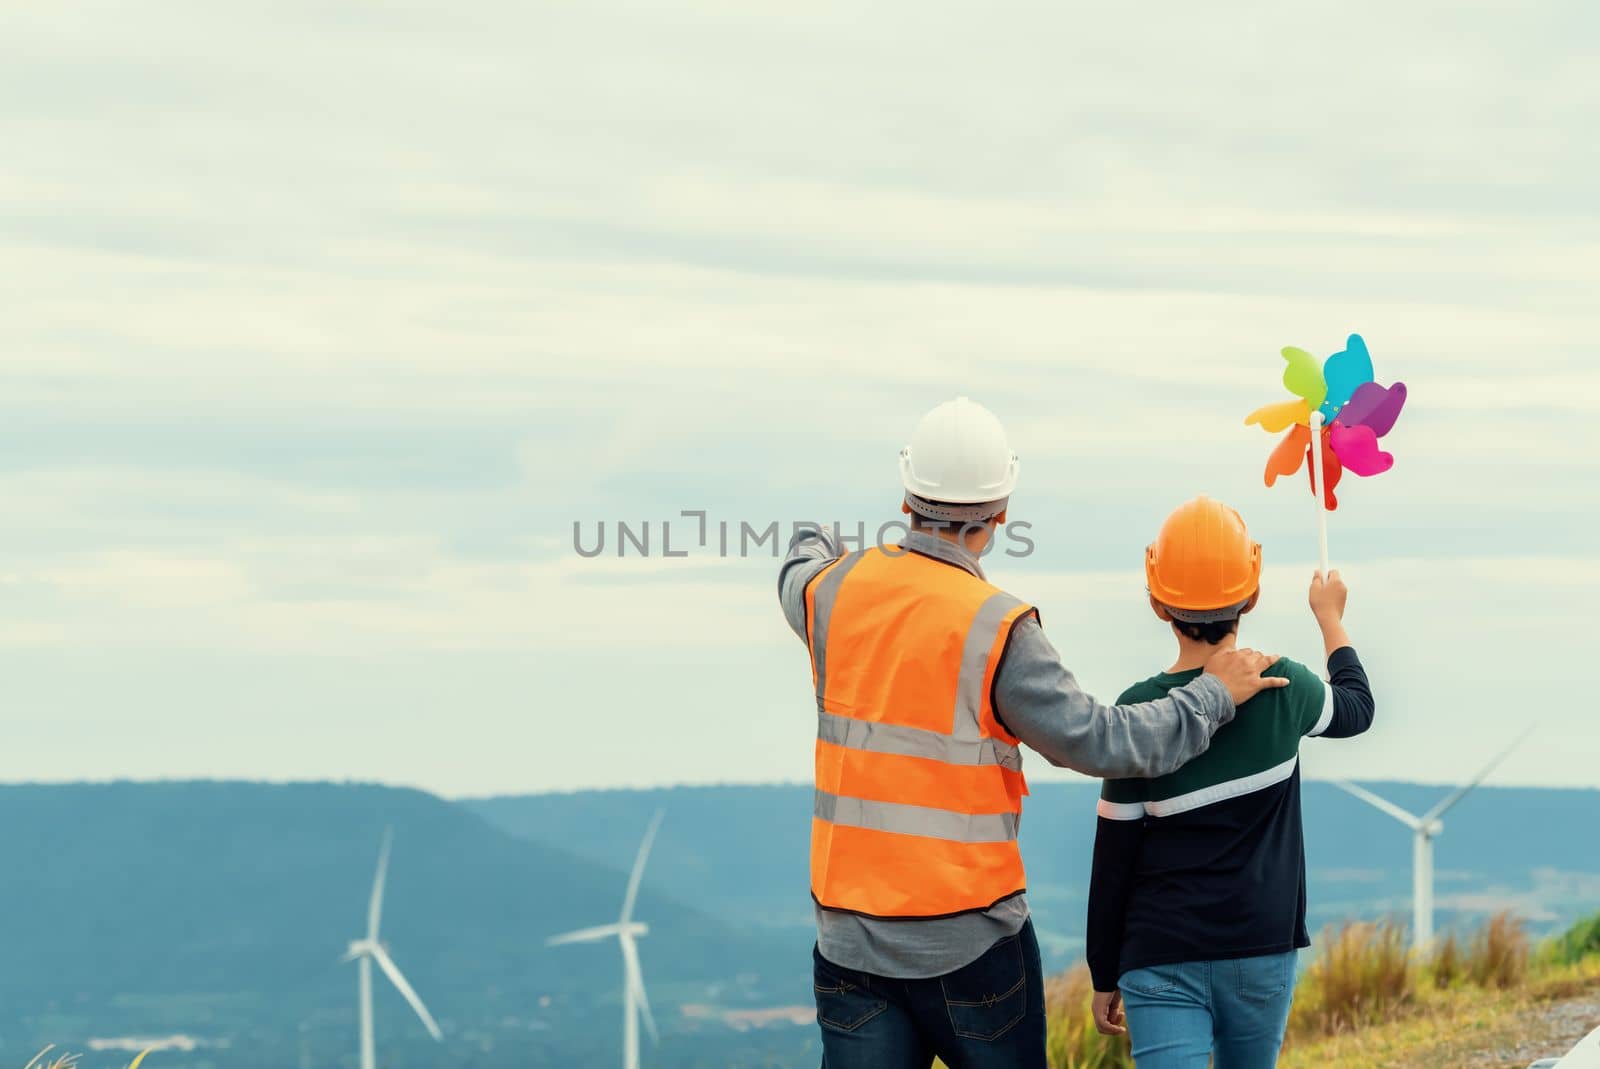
(1208, 862)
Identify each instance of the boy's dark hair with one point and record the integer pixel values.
(1211, 633)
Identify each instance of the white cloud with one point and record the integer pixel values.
(326, 324)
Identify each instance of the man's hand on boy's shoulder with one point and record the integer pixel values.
(1241, 672)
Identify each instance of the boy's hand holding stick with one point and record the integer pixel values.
(1327, 600)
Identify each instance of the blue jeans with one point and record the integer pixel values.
(986, 1015)
(1180, 1016)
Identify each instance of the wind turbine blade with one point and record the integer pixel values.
(638, 866)
(375, 906)
(1461, 792)
(635, 981)
(392, 971)
(585, 935)
(1379, 803)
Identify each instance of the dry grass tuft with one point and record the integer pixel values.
(1498, 957)
(1446, 965)
(1363, 976)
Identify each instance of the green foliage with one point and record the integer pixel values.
(1580, 941)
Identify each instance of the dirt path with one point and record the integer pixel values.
(1553, 1027)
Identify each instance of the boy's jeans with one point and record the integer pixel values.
(987, 1015)
(1180, 1016)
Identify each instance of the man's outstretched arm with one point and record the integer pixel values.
(1041, 703)
(812, 549)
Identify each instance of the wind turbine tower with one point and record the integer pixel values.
(368, 950)
(627, 931)
(1424, 830)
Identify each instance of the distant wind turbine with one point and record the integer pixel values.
(627, 931)
(366, 951)
(1424, 830)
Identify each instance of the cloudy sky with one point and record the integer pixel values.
(324, 324)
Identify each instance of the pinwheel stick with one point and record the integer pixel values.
(1319, 495)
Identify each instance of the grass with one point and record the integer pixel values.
(1073, 1042)
(1499, 954)
(69, 1061)
(1362, 975)
(1448, 1026)
(1365, 1001)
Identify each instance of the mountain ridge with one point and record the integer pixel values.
(221, 908)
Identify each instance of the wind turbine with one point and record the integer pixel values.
(366, 951)
(627, 931)
(1424, 830)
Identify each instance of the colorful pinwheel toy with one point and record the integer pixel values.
(1346, 411)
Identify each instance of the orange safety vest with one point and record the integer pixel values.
(918, 785)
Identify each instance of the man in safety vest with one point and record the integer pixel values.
(928, 679)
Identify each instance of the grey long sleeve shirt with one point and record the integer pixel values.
(1038, 701)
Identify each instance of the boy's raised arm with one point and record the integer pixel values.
(1041, 703)
(1351, 707)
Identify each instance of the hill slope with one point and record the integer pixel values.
(220, 910)
(1502, 847)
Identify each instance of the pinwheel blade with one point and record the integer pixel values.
(1374, 406)
(1357, 449)
(1344, 372)
(1290, 453)
(1279, 416)
(1331, 472)
(1303, 376)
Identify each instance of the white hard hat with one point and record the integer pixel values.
(959, 455)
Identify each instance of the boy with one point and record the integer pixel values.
(1197, 904)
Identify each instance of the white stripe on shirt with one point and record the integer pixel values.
(1327, 712)
(1221, 792)
(1120, 810)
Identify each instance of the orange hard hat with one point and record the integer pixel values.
(1203, 567)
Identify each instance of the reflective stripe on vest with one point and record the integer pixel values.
(918, 786)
